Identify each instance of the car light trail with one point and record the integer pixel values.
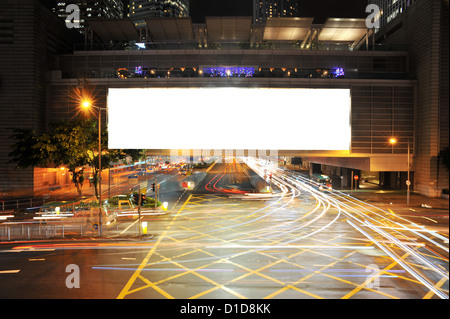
(281, 225)
(405, 247)
(400, 262)
(259, 247)
(375, 219)
(297, 187)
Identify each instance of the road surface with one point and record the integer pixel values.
(222, 240)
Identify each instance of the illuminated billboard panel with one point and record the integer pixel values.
(229, 118)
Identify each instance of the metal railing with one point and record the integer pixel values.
(36, 231)
(17, 203)
(234, 45)
(12, 232)
(82, 222)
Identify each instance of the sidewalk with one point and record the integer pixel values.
(399, 199)
(434, 216)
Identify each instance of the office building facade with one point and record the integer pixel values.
(140, 10)
(91, 9)
(390, 9)
(401, 93)
(422, 27)
(263, 9)
(31, 38)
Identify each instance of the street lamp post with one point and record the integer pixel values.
(87, 104)
(100, 171)
(393, 141)
(408, 182)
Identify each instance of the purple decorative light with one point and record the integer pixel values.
(229, 71)
(338, 72)
(138, 70)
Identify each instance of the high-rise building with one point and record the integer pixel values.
(389, 9)
(263, 9)
(90, 9)
(399, 89)
(139, 10)
(30, 39)
(422, 27)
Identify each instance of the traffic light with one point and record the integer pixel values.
(136, 199)
(143, 197)
(153, 187)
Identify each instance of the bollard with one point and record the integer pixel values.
(144, 228)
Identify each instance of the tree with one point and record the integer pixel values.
(23, 153)
(71, 143)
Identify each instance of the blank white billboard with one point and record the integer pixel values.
(229, 118)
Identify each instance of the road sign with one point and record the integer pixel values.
(408, 183)
(356, 177)
(95, 226)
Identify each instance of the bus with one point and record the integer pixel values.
(322, 181)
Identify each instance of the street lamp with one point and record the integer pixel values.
(87, 104)
(393, 141)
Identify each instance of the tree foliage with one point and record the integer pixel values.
(23, 152)
(69, 143)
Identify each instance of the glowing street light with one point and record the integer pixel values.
(86, 104)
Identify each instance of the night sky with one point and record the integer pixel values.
(320, 9)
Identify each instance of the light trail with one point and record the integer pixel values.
(367, 215)
(400, 262)
(323, 201)
(388, 232)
